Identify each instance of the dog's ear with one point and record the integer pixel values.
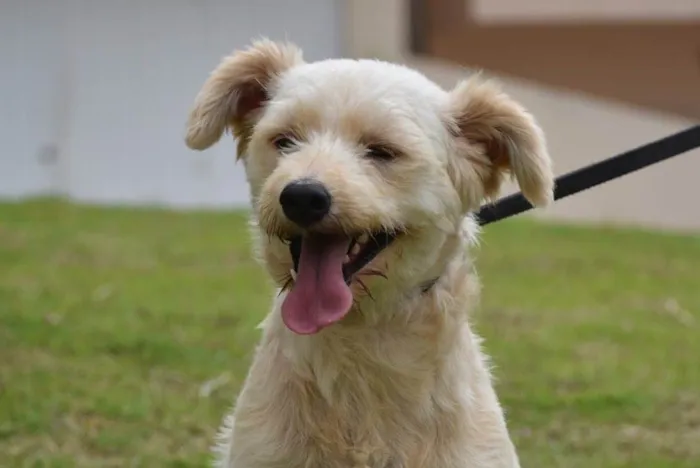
(236, 89)
(495, 136)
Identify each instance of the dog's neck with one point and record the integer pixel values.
(412, 350)
(414, 316)
(389, 301)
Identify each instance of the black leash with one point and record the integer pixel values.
(598, 173)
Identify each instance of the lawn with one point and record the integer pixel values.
(125, 334)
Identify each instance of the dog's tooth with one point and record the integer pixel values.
(363, 239)
(355, 249)
(347, 259)
(293, 273)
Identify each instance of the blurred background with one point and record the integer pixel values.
(128, 294)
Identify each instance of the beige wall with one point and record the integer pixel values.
(581, 129)
(505, 11)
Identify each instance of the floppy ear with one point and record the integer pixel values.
(495, 137)
(235, 90)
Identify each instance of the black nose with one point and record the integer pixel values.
(305, 202)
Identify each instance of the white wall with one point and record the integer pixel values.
(106, 86)
(29, 82)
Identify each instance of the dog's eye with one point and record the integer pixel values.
(380, 153)
(284, 143)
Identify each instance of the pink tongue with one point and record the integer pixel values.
(319, 296)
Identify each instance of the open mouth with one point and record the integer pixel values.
(361, 251)
(324, 268)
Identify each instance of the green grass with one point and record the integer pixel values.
(112, 321)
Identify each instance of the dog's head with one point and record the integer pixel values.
(360, 168)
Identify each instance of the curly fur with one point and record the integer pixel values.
(402, 381)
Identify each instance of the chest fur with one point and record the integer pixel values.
(370, 403)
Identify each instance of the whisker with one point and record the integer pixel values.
(373, 272)
(371, 237)
(364, 288)
(287, 284)
(339, 223)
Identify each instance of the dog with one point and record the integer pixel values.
(362, 177)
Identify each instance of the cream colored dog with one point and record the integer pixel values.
(362, 175)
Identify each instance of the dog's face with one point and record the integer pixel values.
(361, 169)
